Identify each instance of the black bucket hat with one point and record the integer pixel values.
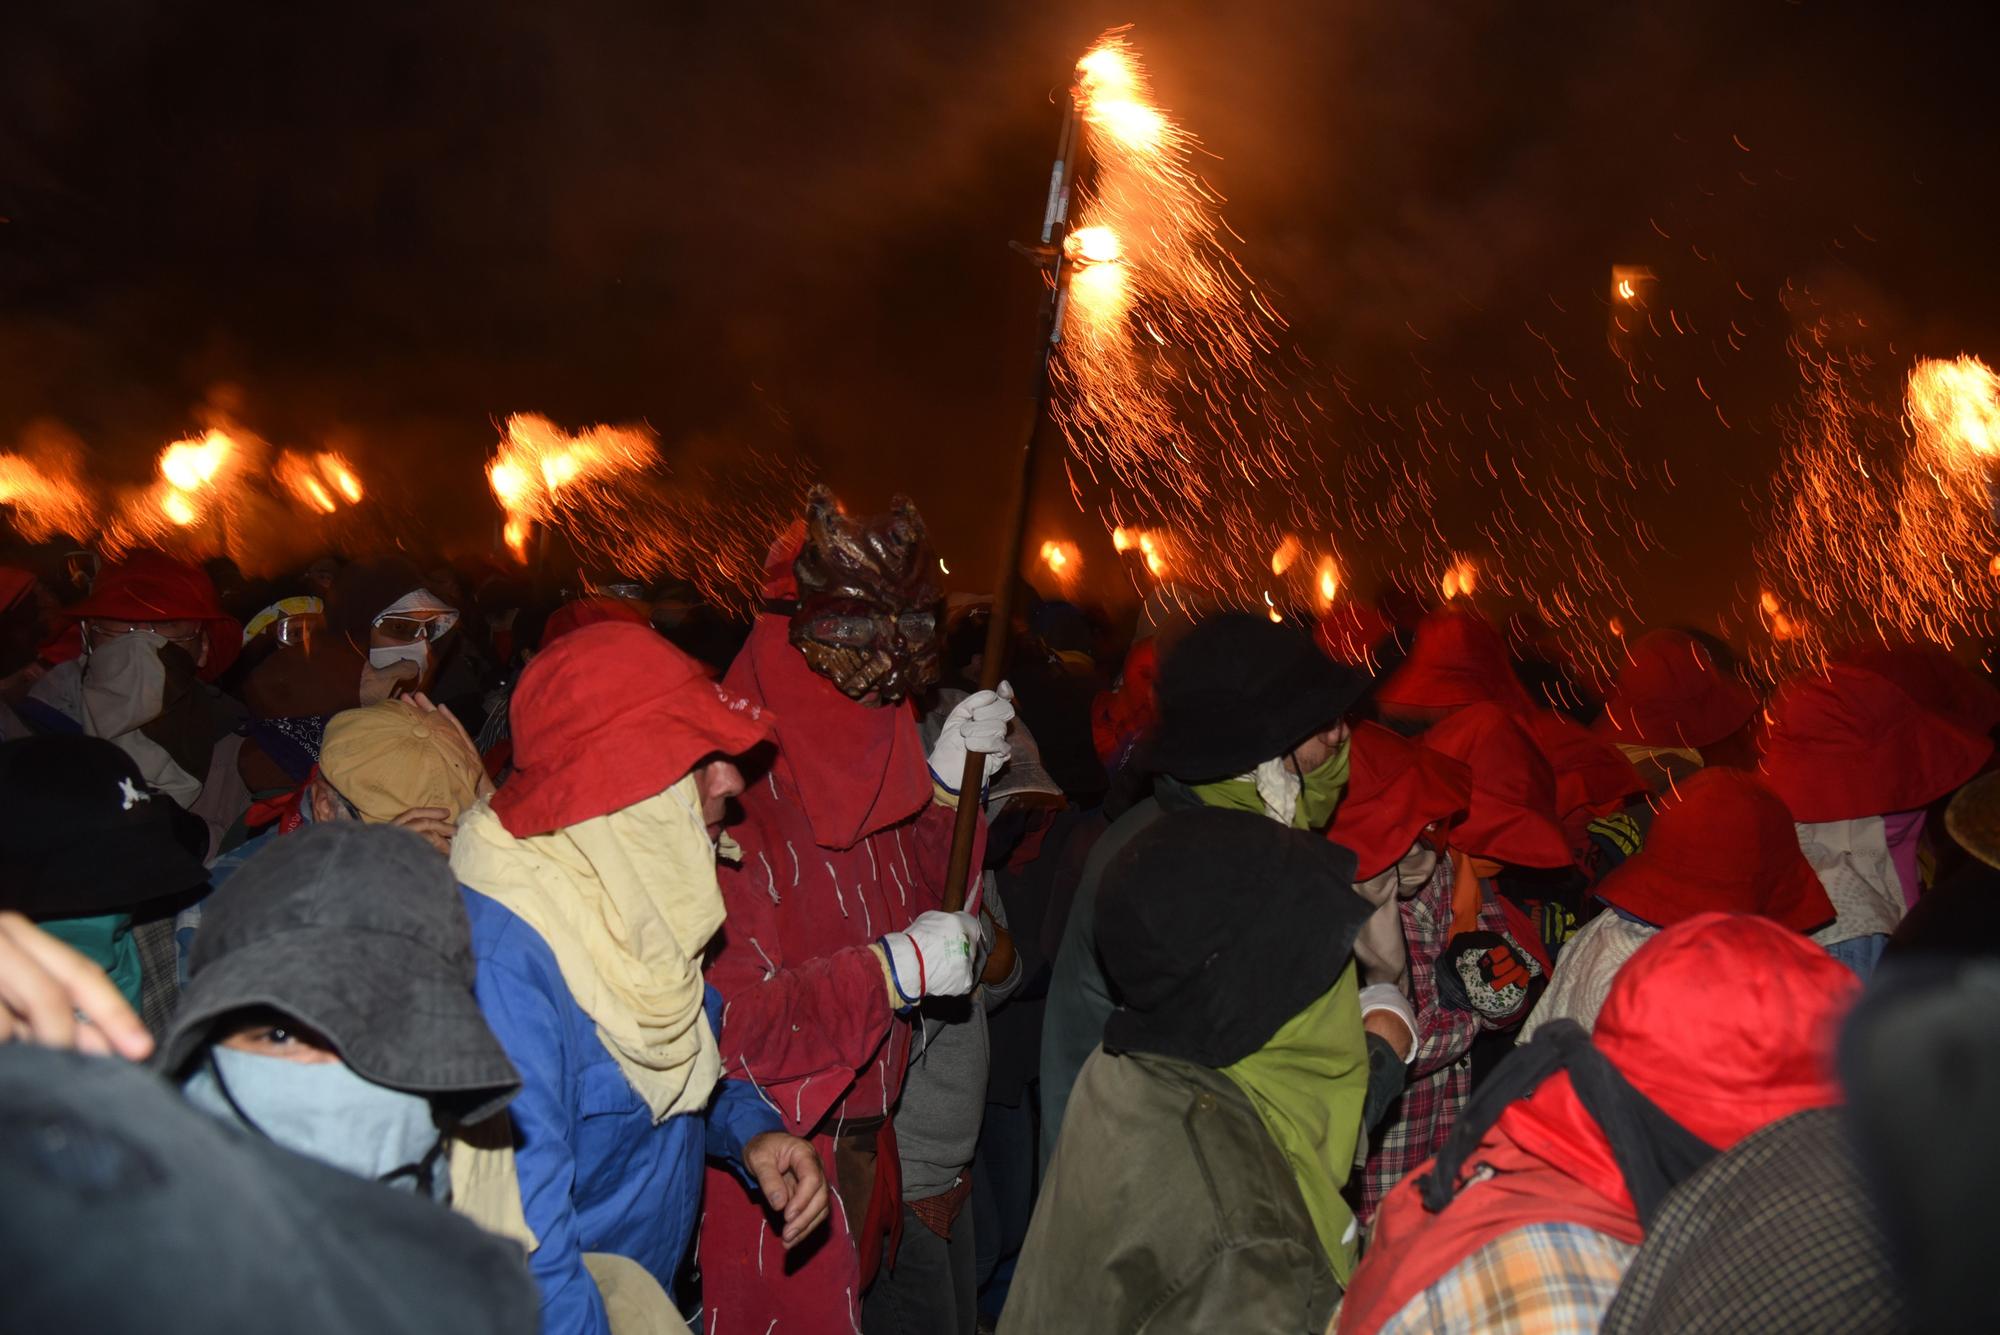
(81, 831)
(215, 1229)
(1239, 689)
(356, 931)
(1217, 926)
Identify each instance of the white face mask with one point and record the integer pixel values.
(388, 655)
(325, 1112)
(124, 684)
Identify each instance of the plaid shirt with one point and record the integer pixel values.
(1542, 1279)
(1441, 1075)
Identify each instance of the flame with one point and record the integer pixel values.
(1063, 559)
(1954, 407)
(321, 482)
(1625, 289)
(47, 496)
(190, 465)
(1092, 245)
(1328, 581)
(1460, 580)
(1289, 551)
(1122, 541)
(540, 470)
(176, 506)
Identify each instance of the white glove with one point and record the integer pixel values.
(1389, 997)
(937, 956)
(976, 723)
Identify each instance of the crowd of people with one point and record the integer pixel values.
(415, 946)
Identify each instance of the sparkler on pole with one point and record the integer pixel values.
(1050, 257)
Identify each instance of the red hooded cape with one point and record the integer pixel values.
(1396, 788)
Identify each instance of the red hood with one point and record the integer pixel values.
(1937, 681)
(1671, 693)
(1593, 778)
(152, 586)
(855, 768)
(1727, 1022)
(1457, 659)
(1513, 815)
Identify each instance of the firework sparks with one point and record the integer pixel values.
(1954, 409)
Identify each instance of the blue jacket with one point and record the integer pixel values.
(596, 1174)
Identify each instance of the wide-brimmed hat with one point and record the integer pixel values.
(152, 586)
(1593, 777)
(1849, 743)
(357, 932)
(1396, 788)
(1973, 818)
(1239, 689)
(1513, 815)
(81, 831)
(1218, 926)
(1456, 659)
(1671, 693)
(610, 715)
(1725, 844)
(1935, 680)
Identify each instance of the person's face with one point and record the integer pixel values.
(717, 780)
(327, 804)
(280, 1038)
(189, 635)
(1314, 751)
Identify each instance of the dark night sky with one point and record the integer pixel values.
(787, 222)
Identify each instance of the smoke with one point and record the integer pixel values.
(394, 225)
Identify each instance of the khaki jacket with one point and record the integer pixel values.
(1167, 1208)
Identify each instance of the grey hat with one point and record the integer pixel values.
(356, 931)
(128, 1209)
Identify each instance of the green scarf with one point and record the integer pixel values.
(1324, 787)
(1308, 1084)
(107, 941)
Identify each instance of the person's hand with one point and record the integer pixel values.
(435, 824)
(379, 684)
(1484, 972)
(936, 956)
(423, 704)
(50, 994)
(1386, 1011)
(976, 723)
(789, 1173)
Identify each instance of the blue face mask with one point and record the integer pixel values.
(326, 1112)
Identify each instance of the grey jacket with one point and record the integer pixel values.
(1169, 1208)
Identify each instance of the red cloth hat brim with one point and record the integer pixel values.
(608, 716)
(1512, 817)
(151, 586)
(1849, 743)
(1457, 659)
(1396, 789)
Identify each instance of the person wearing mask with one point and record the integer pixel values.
(1399, 816)
(590, 880)
(1527, 1219)
(1726, 844)
(1198, 1185)
(836, 928)
(86, 843)
(52, 995)
(153, 637)
(1857, 761)
(128, 1209)
(329, 1007)
(1251, 719)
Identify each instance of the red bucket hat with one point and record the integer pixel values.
(1513, 814)
(610, 715)
(1457, 659)
(1593, 778)
(1851, 743)
(1935, 680)
(1725, 844)
(1396, 789)
(152, 586)
(1671, 693)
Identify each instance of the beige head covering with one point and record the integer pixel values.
(1973, 818)
(389, 758)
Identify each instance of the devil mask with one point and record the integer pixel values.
(868, 601)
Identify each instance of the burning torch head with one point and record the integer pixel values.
(867, 617)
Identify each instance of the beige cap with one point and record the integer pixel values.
(390, 757)
(1973, 818)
